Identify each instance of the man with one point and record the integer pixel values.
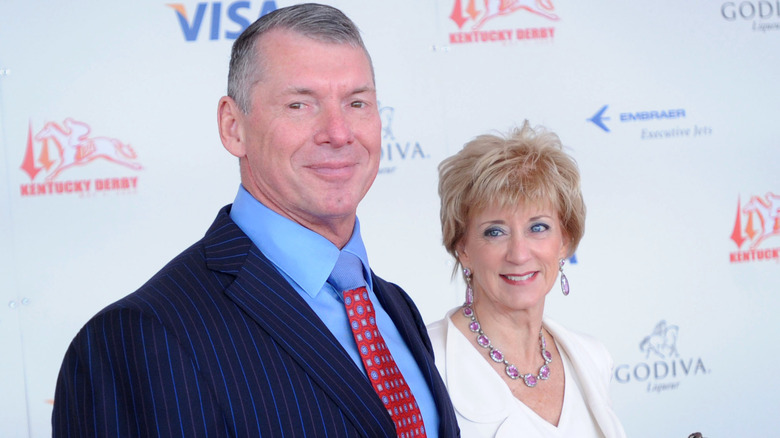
(245, 333)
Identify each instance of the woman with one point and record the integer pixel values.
(512, 213)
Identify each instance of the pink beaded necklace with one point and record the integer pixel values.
(497, 356)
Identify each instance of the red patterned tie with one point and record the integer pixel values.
(382, 371)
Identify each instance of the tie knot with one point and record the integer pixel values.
(348, 273)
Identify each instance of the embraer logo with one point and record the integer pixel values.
(598, 118)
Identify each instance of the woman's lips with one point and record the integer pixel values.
(518, 278)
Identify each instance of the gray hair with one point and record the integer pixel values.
(319, 22)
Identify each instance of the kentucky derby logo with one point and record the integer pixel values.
(757, 220)
(55, 149)
(395, 152)
(662, 367)
(471, 19)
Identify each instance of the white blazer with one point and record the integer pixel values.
(483, 403)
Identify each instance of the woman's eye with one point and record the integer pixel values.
(538, 228)
(493, 232)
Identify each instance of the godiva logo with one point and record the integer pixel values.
(663, 368)
(397, 150)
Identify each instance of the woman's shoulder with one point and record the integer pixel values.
(440, 325)
(577, 343)
(437, 330)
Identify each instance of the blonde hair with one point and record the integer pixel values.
(528, 166)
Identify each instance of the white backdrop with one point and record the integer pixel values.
(677, 273)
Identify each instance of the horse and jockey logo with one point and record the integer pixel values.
(475, 21)
(762, 220)
(62, 147)
(662, 368)
(397, 150)
(498, 8)
(662, 342)
(386, 114)
(56, 149)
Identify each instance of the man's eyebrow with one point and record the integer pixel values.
(309, 91)
(298, 90)
(366, 89)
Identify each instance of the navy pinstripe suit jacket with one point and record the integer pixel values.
(219, 344)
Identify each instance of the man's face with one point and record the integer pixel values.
(312, 136)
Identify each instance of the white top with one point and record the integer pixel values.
(485, 406)
(576, 419)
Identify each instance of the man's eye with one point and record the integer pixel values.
(358, 104)
(296, 105)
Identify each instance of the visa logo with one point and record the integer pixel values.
(236, 13)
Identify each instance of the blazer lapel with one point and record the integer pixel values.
(409, 323)
(593, 388)
(281, 312)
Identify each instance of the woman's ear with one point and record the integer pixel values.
(564, 253)
(460, 250)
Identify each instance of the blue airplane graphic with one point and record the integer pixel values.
(598, 118)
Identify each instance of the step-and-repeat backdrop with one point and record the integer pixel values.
(670, 108)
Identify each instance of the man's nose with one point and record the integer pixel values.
(335, 127)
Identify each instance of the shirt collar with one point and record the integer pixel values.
(281, 240)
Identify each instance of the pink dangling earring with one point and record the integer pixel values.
(564, 280)
(469, 290)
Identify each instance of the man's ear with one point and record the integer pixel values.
(230, 121)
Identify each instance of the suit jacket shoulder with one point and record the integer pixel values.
(217, 343)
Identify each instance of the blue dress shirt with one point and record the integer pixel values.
(305, 259)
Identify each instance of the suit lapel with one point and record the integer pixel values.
(261, 292)
(407, 320)
(397, 308)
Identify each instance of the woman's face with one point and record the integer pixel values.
(513, 254)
